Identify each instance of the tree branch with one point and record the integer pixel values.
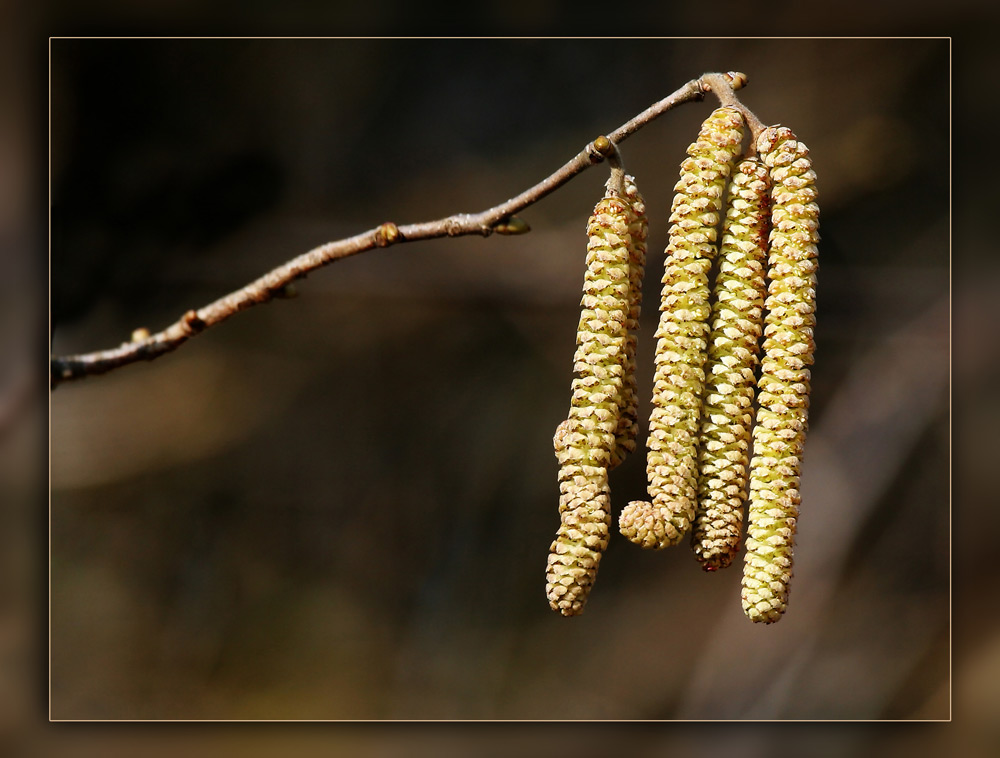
(278, 282)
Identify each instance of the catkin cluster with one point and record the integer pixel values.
(751, 331)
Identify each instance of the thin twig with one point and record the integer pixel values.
(276, 283)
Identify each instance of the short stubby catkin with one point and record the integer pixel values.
(585, 441)
(628, 424)
(733, 347)
(783, 397)
(671, 463)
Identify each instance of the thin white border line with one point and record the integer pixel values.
(546, 721)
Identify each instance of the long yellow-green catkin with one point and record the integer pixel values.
(671, 463)
(628, 424)
(779, 434)
(584, 442)
(733, 347)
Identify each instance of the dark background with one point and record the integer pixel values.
(874, 81)
(339, 507)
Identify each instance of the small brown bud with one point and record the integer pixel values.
(736, 79)
(603, 146)
(387, 234)
(193, 321)
(511, 225)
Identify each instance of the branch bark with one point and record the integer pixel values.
(278, 281)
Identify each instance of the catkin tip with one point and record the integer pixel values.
(651, 526)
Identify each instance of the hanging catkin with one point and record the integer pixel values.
(671, 464)
(584, 442)
(733, 347)
(779, 434)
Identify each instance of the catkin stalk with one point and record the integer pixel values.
(779, 435)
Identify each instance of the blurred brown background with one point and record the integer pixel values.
(253, 528)
(339, 507)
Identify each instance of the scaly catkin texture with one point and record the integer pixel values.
(628, 424)
(671, 463)
(779, 434)
(585, 441)
(733, 347)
